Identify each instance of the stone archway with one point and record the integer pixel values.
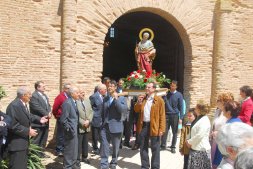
(118, 56)
(192, 22)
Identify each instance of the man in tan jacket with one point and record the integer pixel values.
(150, 125)
(85, 117)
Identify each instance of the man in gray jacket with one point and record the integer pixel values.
(39, 105)
(96, 101)
(69, 120)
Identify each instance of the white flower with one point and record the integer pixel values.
(164, 76)
(143, 70)
(134, 72)
(141, 76)
(157, 86)
(132, 75)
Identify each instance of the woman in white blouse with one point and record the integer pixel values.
(219, 121)
(199, 157)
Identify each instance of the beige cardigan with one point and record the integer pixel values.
(86, 114)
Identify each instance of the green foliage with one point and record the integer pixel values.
(138, 79)
(4, 164)
(2, 92)
(34, 161)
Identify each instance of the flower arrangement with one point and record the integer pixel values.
(138, 79)
(2, 92)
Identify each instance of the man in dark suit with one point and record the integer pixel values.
(5, 122)
(96, 101)
(20, 129)
(69, 120)
(114, 108)
(127, 119)
(39, 105)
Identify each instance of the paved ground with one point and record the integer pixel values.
(128, 159)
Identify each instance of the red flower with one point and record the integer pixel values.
(138, 71)
(136, 76)
(145, 80)
(148, 75)
(129, 78)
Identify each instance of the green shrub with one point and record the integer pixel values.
(2, 92)
(34, 161)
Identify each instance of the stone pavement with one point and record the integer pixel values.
(128, 159)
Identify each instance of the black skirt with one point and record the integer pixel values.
(199, 160)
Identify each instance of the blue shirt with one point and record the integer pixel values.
(174, 103)
(234, 119)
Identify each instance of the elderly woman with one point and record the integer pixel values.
(247, 104)
(244, 160)
(199, 156)
(218, 122)
(231, 139)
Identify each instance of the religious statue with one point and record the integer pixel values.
(145, 51)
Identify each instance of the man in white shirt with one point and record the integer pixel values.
(151, 125)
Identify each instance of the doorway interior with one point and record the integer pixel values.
(122, 37)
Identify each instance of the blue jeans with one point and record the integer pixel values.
(59, 137)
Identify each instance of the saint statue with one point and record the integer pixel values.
(145, 52)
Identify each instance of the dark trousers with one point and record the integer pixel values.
(136, 117)
(41, 138)
(106, 138)
(155, 148)
(186, 157)
(18, 159)
(70, 152)
(82, 146)
(127, 131)
(95, 132)
(59, 137)
(171, 121)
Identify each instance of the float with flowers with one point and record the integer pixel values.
(136, 81)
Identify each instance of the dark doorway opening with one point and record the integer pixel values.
(122, 37)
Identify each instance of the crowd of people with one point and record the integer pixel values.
(113, 118)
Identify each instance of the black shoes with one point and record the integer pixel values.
(42, 155)
(135, 147)
(85, 160)
(112, 166)
(163, 147)
(173, 150)
(77, 166)
(59, 154)
(127, 145)
(96, 151)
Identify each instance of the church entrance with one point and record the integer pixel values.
(122, 37)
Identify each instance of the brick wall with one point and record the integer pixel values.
(31, 39)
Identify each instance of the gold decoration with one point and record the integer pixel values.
(151, 33)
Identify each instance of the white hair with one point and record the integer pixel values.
(235, 135)
(244, 159)
(22, 90)
(66, 85)
(101, 86)
(73, 89)
(146, 34)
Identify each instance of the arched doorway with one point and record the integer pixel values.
(121, 39)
